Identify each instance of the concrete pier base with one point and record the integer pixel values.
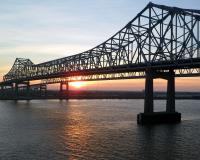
(158, 118)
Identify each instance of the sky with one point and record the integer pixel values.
(43, 30)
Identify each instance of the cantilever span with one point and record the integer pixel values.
(160, 42)
(159, 36)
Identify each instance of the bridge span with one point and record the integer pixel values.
(160, 42)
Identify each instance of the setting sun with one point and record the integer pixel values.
(77, 84)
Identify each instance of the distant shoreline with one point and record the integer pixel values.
(128, 95)
(73, 94)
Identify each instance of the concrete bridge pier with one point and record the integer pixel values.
(168, 116)
(22, 90)
(64, 90)
(148, 101)
(170, 106)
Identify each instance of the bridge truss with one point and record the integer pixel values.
(159, 37)
(160, 42)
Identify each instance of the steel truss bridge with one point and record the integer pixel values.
(160, 42)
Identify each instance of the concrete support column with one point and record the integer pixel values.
(61, 87)
(64, 89)
(67, 89)
(16, 90)
(171, 92)
(61, 95)
(12, 90)
(148, 102)
(150, 117)
(28, 89)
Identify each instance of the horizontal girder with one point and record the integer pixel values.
(117, 76)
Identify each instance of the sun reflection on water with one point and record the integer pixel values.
(76, 134)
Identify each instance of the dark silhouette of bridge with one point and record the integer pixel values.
(160, 42)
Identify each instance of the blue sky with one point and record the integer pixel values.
(48, 29)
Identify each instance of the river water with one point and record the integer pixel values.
(95, 129)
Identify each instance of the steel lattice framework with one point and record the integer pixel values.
(159, 37)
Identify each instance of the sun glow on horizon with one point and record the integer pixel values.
(77, 84)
